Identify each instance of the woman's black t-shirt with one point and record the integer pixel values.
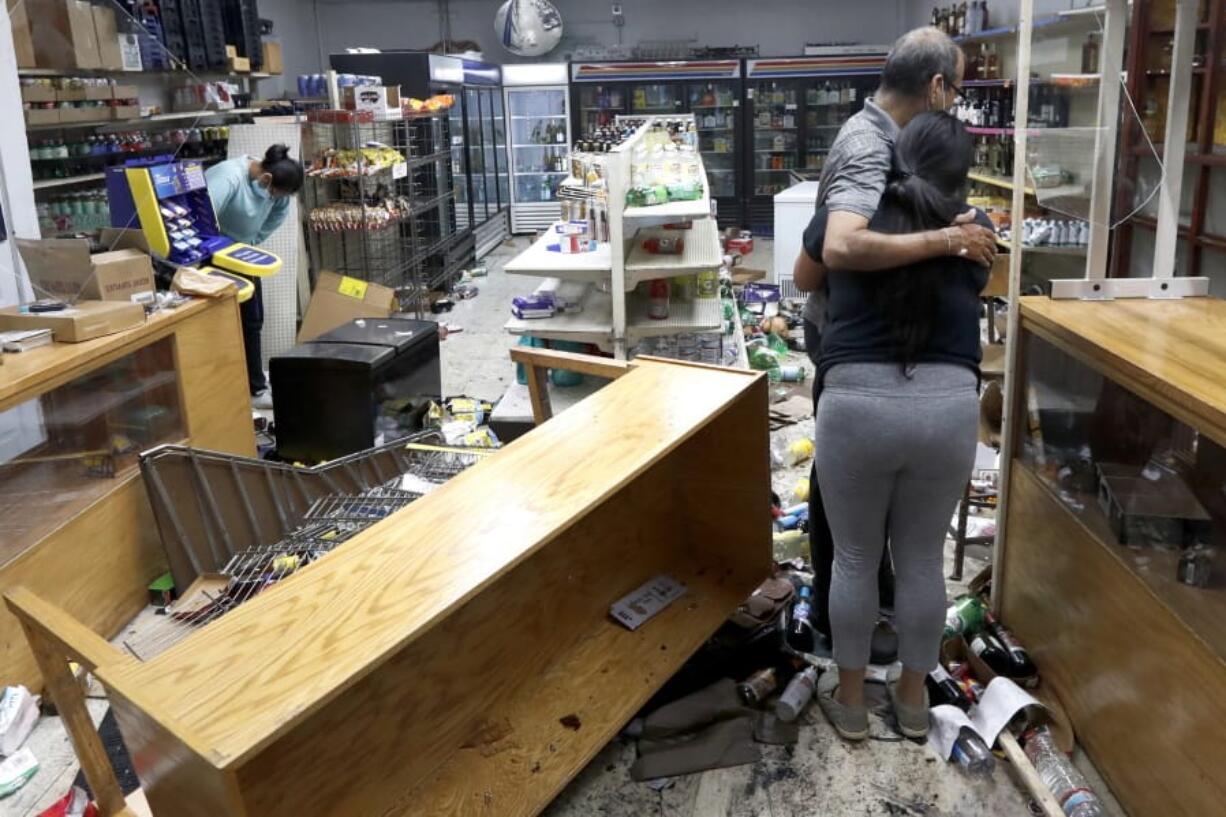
(856, 330)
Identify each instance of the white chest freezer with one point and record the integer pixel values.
(793, 209)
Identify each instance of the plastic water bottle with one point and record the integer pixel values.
(797, 695)
(1067, 785)
(972, 754)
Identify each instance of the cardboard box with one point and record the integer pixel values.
(381, 100)
(23, 44)
(124, 92)
(43, 116)
(231, 51)
(37, 93)
(100, 93)
(339, 299)
(70, 95)
(106, 32)
(125, 112)
(75, 115)
(240, 65)
(84, 320)
(63, 268)
(64, 36)
(273, 62)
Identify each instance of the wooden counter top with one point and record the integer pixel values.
(255, 674)
(30, 373)
(1171, 353)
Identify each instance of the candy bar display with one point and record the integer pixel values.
(349, 163)
(340, 216)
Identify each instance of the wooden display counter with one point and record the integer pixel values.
(75, 523)
(1131, 636)
(458, 657)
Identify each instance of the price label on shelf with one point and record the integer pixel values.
(400, 170)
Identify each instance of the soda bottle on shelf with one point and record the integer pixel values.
(800, 635)
(1057, 772)
(972, 754)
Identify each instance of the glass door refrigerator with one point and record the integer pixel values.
(796, 106)
(539, 119)
(710, 89)
(485, 129)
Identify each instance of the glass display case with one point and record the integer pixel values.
(716, 107)
(1144, 483)
(64, 449)
(600, 104)
(1109, 566)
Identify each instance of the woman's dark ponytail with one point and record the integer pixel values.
(286, 173)
(931, 159)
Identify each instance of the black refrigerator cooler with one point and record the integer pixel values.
(336, 394)
(710, 89)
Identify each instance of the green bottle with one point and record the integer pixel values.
(965, 616)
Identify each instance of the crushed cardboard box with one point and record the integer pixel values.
(338, 299)
(63, 268)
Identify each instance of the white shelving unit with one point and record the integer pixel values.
(593, 267)
(701, 253)
(613, 316)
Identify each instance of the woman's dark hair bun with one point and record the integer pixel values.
(276, 153)
(287, 173)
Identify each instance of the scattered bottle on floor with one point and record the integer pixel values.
(800, 626)
(1061, 777)
(797, 695)
(943, 688)
(1020, 663)
(972, 754)
(964, 616)
(992, 653)
(758, 687)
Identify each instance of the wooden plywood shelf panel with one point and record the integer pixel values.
(1128, 672)
(390, 642)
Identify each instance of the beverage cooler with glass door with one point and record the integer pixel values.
(538, 115)
(486, 165)
(712, 90)
(795, 107)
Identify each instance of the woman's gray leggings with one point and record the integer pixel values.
(899, 447)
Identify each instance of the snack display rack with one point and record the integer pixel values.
(614, 315)
(380, 198)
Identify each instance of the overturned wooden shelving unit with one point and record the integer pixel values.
(458, 657)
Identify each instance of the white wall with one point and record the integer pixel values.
(311, 30)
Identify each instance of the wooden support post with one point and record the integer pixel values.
(538, 362)
(1175, 144)
(54, 637)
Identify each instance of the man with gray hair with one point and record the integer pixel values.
(923, 72)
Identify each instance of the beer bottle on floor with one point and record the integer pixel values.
(943, 689)
(1021, 665)
(992, 653)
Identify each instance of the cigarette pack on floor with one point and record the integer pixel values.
(18, 716)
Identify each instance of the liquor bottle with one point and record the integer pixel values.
(992, 653)
(1089, 55)
(1021, 664)
(800, 635)
(943, 689)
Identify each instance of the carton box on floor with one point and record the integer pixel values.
(338, 299)
(64, 36)
(84, 320)
(63, 268)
